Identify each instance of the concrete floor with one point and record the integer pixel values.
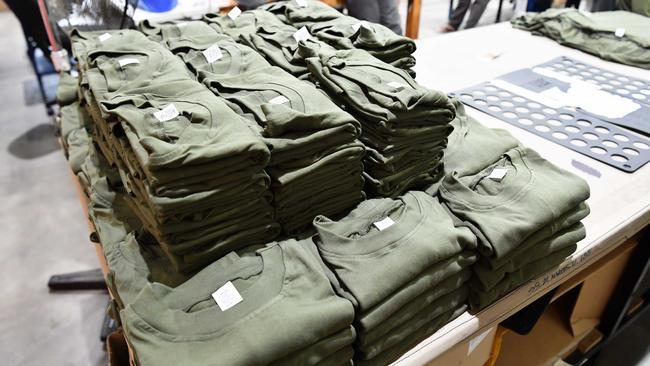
(44, 231)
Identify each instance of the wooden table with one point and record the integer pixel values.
(620, 202)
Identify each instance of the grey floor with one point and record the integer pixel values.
(44, 233)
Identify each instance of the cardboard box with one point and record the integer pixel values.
(471, 352)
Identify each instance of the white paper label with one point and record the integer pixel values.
(384, 223)
(104, 37)
(181, 25)
(498, 174)
(302, 3)
(128, 61)
(234, 13)
(227, 296)
(356, 26)
(212, 54)
(620, 32)
(280, 99)
(166, 113)
(302, 34)
(398, 86)
(477, 340)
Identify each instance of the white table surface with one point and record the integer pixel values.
(620, 202)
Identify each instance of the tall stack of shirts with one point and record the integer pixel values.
(404, 125)
(526, 213)
(404, 265)
(193, 170)
(274, 306)
(345, 32)
(618, 36)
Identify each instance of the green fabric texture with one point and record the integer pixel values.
(594, 33)
(289, 314)
(66, 91)
(641, 7)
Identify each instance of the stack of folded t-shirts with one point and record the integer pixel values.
(618, 36)
(404, 264)
(404, 125)
(272, 306)
(193, 170)
(526, 213)
(71, 120)
(345, 32)
(66, 91)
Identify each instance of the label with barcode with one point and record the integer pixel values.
(212, 54)
(104, 37)
(384, 223)
(234, 13)
(128, 61)
(227, 296)
(167, 113)
(302, 34)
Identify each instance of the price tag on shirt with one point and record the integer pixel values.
(104, 37)
(227, 296)
(384, 223)
(302, 34)
(167, 113)
(234, 13)
(128, 61)
(397, 85)
(212, 53)
(280, 99)
(619, 32)
(498, 174)
(302, 3)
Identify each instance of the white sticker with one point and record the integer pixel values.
(181, 25)
(212, 53)
(477, 340)
(302, 34)
(166, 113)
(302, 3)
(128, 61)
(384, 223)
(227, 296)
(498, 174)
(398, 86)
(104, 37)
(281, 99)
(620, 32)
(356, 26)
(234, 13)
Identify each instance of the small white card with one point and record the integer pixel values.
(234, 13)
(398, 86)
(181, 25)
(356, 26)
(302, 34)
(212, 53)
(498, 174)
(302, 3)
(128, 61)
(280, 99)
(104, 37)
(619, 32)
(167, 113)
(227, 296)
(384, 224)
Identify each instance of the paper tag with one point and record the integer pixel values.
(477, 340)
(181, 25)
(498, 174)
(302, 34)
(128, 61)
(104, 37)
(302, 3)
(166, 113)
(281, 99)
(227, 296)
(384, 223)
(234, 13)
(398, 86)
(356, 26)
(212, 53)
(620, 32)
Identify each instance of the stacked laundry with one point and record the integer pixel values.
(193, 170)
(404, 264)
(404, 125)
(344, 32)
(526, 213)
(618, 36)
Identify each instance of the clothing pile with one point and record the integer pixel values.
(404, 265)
(404, 125)
(344, 32)
(618, 36)
(525, 211)
(315, 164)
(193, 170)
